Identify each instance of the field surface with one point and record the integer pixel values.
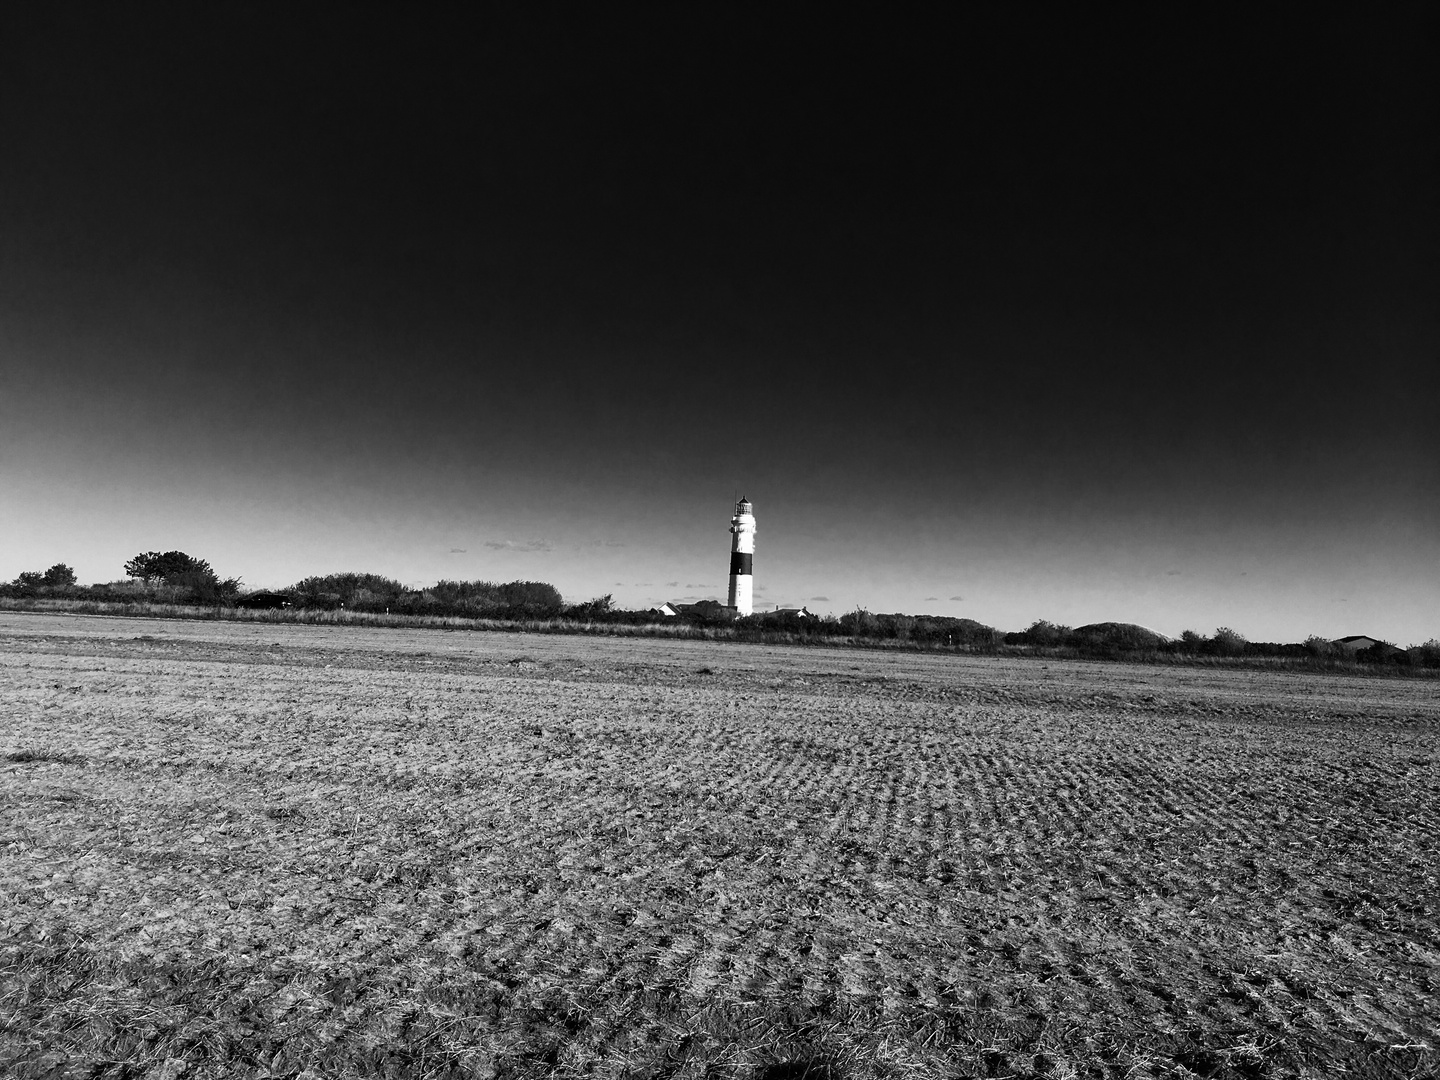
(280, 851)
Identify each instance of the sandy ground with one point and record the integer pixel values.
(239, 849)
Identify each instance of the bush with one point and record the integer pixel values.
(467, 599)
(1227, 642)
(1427, 655)
(598, 610)
(1114, 639)
(1383, 652)
(174, 577)
(361, 592)
(921, 629)
(1041, 632)
(264, 600)
(58, 576)
(169, 567)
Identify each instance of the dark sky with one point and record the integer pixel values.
(1066, 319)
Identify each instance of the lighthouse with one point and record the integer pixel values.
(742, 551)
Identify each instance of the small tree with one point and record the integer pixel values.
(601, 607)
(1229, 642)
(59, 574)
(182, 572)
(860, 623)
(170, 568)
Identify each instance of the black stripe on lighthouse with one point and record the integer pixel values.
(740, 562)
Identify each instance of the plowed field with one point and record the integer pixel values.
(266, 851)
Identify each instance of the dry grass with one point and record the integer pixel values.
(236, 849)
(347, 617)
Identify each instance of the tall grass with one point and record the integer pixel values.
(347, 617)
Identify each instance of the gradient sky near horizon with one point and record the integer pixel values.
(1076, 320)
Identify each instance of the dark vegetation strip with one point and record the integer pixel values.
(177, 585)
(904, 633)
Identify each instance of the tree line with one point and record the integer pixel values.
(163, 576)
(173, 577)
(177, 578)
(1119, 640)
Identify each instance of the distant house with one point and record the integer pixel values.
(794, 612)
(1354, 643)
(705, 609)
(1357, 642)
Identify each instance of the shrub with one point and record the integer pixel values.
(1383, 652)
(173, 576)
(362, 592)
(468, 599)
(1041, 632)
(169, 568)
(597, 610)
(1227, 642)
(58, 576)
(1427, 655)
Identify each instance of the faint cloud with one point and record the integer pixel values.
(518, 545)
(929, 598)
(1172, 573)
(604, 543)
(957, 598)
(672, 584)
(457, 551)
(819, 600)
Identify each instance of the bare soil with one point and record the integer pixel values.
(306, 851)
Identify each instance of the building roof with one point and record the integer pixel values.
(1356, 642)
(703, 606)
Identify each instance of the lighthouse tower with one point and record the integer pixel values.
(742, 551)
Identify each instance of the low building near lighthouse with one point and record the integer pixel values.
(707, 610)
